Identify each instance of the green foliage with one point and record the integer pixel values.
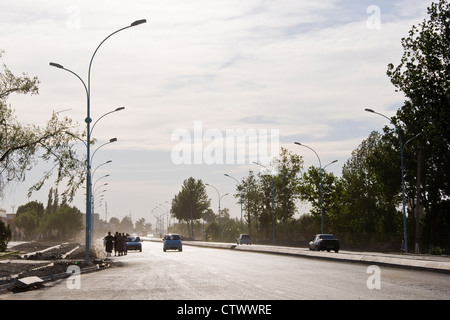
(256, 192)
(367, 198)
(64, 223)
(371, 180)
(5, 236)
(191, 202)
(54, 222)
(29, 222)
(423, 75)
(32, 206)
(22, 146)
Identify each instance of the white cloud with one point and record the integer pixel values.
(307, 68)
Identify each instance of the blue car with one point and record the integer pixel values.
(134, 243)
(172, 242)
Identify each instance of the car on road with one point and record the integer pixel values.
(134, 243)
(324, 242)
(172, 241)
(244, 238)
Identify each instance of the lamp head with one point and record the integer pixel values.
(57, 65)
(138, 22)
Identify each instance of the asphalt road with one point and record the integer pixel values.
(217, 274)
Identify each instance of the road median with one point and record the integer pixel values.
(410, 261)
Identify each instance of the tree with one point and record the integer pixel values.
(34, 206)
(126, 225)
(5, 236)
(248, 190)
(309, 190)
(372, 187)
(141, 227)
(65, 222)
(256, 192)
(23, 146)
(115, 222)
(191, 202)
(29, 222)
(288, 167)
(423, 75)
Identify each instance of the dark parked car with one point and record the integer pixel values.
(134, 243)
(324, 242)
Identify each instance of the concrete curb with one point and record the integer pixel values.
(419, 262)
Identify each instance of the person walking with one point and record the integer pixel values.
(116, 243)
(124, 237)
(109, 239)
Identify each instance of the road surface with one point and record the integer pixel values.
(217, 274)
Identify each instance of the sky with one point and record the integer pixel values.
(208, 87)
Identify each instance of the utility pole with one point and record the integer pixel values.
(418, 202)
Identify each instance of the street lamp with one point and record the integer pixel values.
(110, 141)
(88, 121)
(115, 110)
(321, 183)
(102, 164)
(220, 197)
(402, 168)
(240, 199)
(273, 201)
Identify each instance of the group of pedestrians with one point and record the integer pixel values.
(118, 242)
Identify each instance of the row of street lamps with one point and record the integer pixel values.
(273, 193)
(88, 121)
(402, 147)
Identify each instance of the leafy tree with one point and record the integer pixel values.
(250, 192)
(29, 222)
(34, 206)
(115, 222)
(141, 226)
(191, 202)
(368, 191)
(126, 225)
(5, 236)
(23, 146)
(288, 167)
(66, 222)
(309, 190)
(423, 75)
(256, 192)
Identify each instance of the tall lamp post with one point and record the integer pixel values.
(402, 168)
(321, 182)
(273, 201)
(88, 121)
(220, 197)
(240, 200)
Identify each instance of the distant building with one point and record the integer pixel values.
(9, 220)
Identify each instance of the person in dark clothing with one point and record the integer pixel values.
(109, 239)
(116, 243)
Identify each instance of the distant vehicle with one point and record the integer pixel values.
(324, 242)
(172, 241)
(244, 238)
(134, 243)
